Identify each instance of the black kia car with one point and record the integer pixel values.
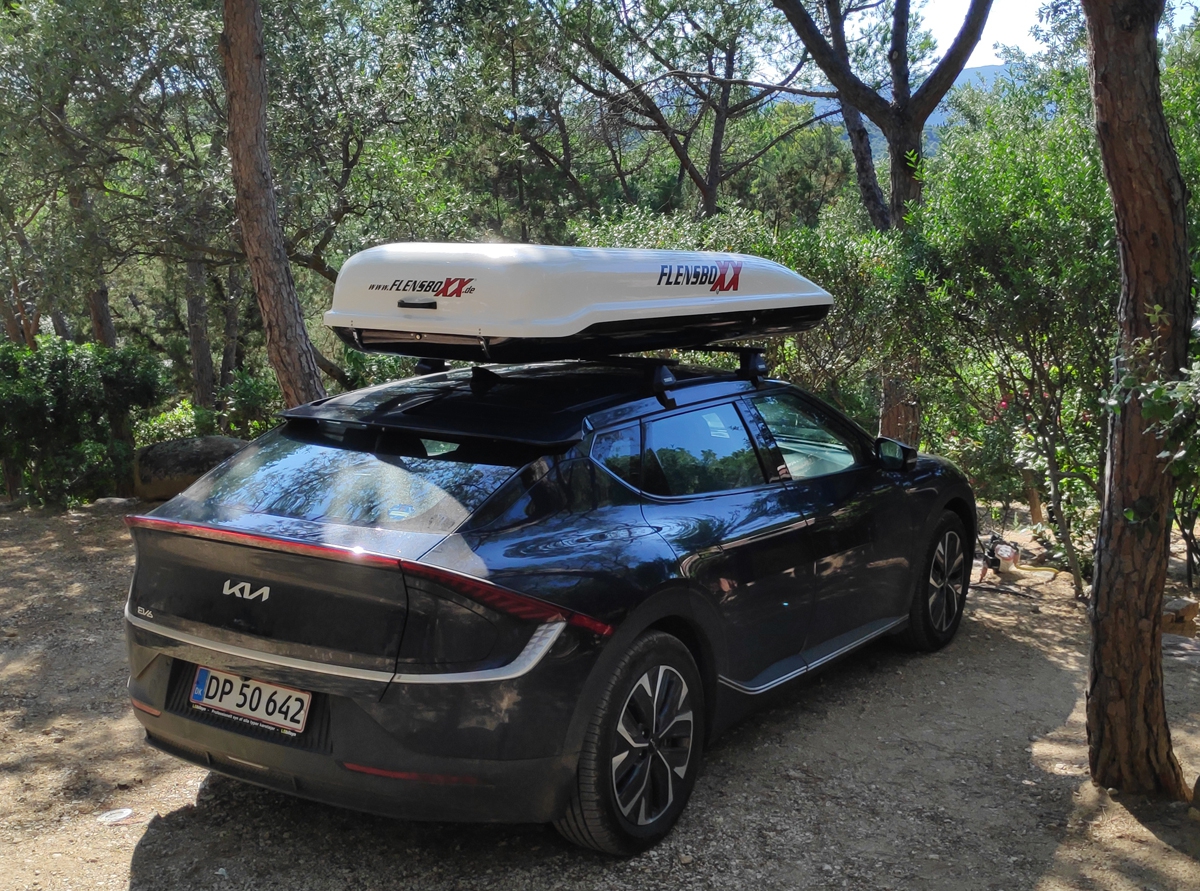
(532, 592)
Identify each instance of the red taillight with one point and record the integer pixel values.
(436, 779)
(520, 606)
(503, 600)
(142, 707)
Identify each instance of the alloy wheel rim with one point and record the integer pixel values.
(947, 581)
(652, 746)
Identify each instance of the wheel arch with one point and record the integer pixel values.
(680, 611)
(966, 513)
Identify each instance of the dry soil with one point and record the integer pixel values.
(963, 769)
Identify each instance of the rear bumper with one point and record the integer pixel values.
(490, 752)
(450, 789)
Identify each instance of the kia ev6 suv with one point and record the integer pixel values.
(529, 593)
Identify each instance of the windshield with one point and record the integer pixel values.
(303, 476)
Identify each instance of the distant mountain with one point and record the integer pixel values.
(983, 76)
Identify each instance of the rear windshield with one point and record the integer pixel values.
(303, 475)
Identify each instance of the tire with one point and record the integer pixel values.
(632, 785)
(940, 591)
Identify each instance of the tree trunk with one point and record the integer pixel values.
(1129, 743)
(1062, 528)
(197, 321)
(232, 307)
(103, 331)
(904, 148)
(11, 471)
(864, 169)
(1033, 497)
(900, 414)
(288, 346)
(860, 140)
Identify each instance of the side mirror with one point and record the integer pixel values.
(895, 455)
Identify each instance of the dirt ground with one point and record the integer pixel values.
(965, 769)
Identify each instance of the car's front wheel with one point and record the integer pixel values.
(641, 752)
(941, 588)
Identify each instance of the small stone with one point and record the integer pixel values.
(1035, 609)
(115, 816)
(1194, 814)
(933, 857)
(685, 859)
(827, 867)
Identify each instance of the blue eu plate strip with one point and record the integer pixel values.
(198, 688)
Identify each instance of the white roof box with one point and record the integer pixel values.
(521, 302)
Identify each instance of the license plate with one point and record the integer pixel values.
(254, 702)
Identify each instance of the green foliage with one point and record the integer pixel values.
(252, 402)
(64, 411)
(181, 422)
(368, 369)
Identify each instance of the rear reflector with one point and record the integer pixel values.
(435, 779)
(142, 707)
(501, 599)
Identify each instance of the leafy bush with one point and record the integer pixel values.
(251, 403)
(367, 369)
(65, 409)
(181, 422)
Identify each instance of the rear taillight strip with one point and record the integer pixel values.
(266, 542)
(520, 606)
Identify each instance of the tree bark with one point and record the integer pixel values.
(856, 131)
(900, 414)
(197, 321)
(1129, 742)
(232, 307)
(103, 331)
(288, 346)
(1036, 515)
(904, 149)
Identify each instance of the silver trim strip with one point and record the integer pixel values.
(535, 650)
(792, 675)
(539, 645)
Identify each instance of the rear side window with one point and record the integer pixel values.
(707, 450)
(300, 477)
(619, 452)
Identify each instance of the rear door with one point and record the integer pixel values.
(737, 535)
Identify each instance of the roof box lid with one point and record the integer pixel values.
(520, 302)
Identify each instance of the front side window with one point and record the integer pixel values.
(706, 450)
(810, 445)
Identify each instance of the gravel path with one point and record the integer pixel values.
(961, 770)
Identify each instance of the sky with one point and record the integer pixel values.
(1009, 24)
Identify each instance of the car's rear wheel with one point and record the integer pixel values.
(641, 752)
(941, 588)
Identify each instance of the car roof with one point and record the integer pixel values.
(543, 404)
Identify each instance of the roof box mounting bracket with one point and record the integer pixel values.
(752, 366)
(432, 366)
(660, 379)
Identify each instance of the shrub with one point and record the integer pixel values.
(65, 430)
